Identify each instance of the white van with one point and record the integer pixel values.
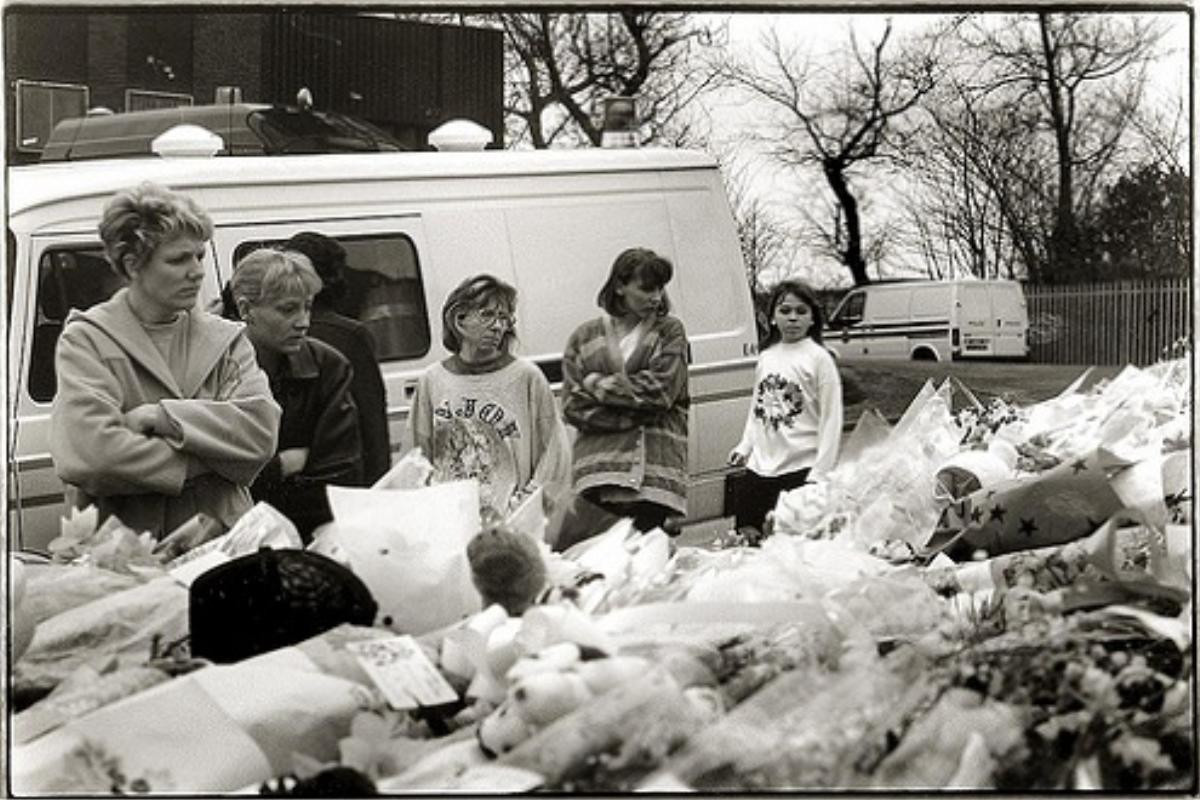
(931, 321)
(415, 225)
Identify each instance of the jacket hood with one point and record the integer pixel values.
(209, 338)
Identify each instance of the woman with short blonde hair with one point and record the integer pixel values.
(162, 412)
(319, 439)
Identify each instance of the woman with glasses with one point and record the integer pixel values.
(625, 389)
(482, 412)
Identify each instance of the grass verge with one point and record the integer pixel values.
(889, 386)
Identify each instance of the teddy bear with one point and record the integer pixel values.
(548, 686)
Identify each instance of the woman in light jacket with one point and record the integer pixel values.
(161, 412)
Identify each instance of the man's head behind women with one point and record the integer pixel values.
(328, 258)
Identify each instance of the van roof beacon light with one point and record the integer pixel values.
(184, 141)
(460, 134)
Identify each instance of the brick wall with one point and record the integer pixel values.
(107, 46)
(228, 55)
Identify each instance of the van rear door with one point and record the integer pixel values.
(976, 324)
(1012, 320)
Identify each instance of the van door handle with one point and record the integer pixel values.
(409, 389)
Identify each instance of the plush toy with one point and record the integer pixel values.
(506, 568)
(549, 686)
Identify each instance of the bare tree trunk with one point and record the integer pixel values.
(852, 256)
(1063, 238)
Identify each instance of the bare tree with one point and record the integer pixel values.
(560, 66)
(839, 119)
(1080, 78)
(972, 204)
(764, 238)
(1164, 134)
(826, 232)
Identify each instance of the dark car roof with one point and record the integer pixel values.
(247, 128)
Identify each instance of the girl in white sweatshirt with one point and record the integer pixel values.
(795, 421)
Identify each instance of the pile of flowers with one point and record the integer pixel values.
(1018, 575)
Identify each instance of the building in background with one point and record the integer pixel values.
(406, 77)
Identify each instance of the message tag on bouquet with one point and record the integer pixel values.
(402, 671)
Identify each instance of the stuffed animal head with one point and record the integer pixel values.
(506, 568)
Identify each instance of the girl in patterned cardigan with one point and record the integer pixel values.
(625, 389)
(795, 421)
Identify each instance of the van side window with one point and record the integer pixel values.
(851, 311)
(383, 291)
(67, 278)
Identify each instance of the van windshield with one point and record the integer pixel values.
(291, 131)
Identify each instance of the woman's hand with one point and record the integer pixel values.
(598, 384)
(737, 459)
(609, 383)
(147, 419)
(292, 460)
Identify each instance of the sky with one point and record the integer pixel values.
(732, 116)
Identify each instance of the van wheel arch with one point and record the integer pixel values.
(924, 354)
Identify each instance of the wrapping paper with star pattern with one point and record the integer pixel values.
(1053, 507)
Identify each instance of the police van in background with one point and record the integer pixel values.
(414, 224)
(926, 320)
(245, 129)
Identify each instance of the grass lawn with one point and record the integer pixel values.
(889, 386)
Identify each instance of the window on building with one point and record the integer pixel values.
(40, 106)
(147, 100)
(75, 277)
(383, 291)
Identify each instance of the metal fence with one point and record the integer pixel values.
(1127, 322)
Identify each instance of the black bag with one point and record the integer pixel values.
(272, 599)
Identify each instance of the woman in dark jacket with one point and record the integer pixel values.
(319, 439)
(353, 340)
